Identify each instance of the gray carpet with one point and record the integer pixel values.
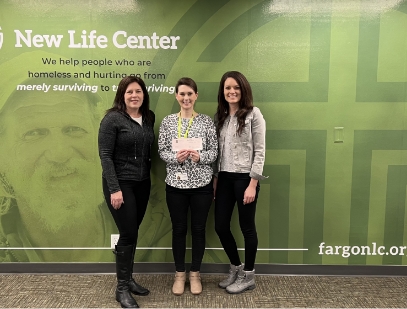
(97, 291)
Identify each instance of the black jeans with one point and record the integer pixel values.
(130, 215)
(179, 201)
(230, 189)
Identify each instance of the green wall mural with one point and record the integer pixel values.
(333, 196)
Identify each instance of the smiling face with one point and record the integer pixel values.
(49, 157)
(232, 91)
(133, 97)
(186, 97)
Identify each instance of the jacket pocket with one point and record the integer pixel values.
(241, 154)
(246, 131)
(244, 158)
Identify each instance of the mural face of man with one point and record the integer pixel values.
(49, 157)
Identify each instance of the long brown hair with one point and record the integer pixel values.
(120, 105)
(245, 103)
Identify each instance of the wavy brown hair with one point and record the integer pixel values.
(245, 103)
(120, 105)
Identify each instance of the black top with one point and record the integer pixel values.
(125, 148)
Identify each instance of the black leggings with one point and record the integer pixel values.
(230, 189)
(179, 201)
(130, 215)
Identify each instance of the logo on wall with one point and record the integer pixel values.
(1, 38)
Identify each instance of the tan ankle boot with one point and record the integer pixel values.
(179, 283)
(195, 282)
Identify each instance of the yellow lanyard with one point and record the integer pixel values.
(189, 125)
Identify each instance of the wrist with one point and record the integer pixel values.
(253, 183)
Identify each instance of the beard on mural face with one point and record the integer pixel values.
(56, 197)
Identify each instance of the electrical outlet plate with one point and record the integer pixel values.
(114, 238)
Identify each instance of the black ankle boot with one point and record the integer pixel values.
(134, 287)
(123, 295)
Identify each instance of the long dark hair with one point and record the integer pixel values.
(245, 103)
(120, 105)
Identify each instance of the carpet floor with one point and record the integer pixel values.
(97, 291)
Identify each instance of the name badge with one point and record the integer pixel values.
(181, 176)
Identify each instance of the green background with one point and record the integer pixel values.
(313, 66)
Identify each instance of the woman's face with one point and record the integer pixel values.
(232, 91)
(133, 97)
(186, 97)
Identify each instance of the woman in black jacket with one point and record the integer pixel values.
(125, 138)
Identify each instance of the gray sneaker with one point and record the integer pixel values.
(233, 271)
(244, 282)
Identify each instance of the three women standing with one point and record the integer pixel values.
(188, 143)
(241, 129)
(125, 138)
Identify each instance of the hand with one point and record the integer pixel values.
(194, 155)
(249, 195)
(116, 199)
(182, 155)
